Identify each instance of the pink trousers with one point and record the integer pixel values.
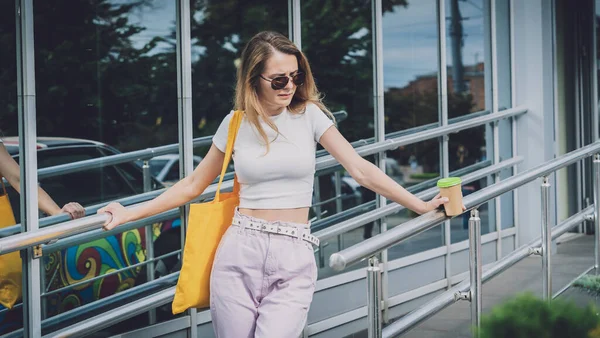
(262, 283)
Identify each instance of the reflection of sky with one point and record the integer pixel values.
(409, 35)
(158, 19)
(410, 40)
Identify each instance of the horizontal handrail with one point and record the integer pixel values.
(338, 261)
(143, 154)
(123, 312)
(50, 234)
(425, 135)
(108, 302)
(126, 201)
(393, 208)
(447, 298)
(412, 130)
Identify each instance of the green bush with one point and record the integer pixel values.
(527, 316)
(589, 283)
(424, 176)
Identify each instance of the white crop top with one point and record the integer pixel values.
(283, 178)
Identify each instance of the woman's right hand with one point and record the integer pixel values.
(119, 215)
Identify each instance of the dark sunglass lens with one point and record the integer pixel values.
(279, 82)
(299, 79)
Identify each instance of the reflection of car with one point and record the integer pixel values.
(89, 260)
(392, 169)
(166, 167)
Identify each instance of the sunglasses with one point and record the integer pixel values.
(280, 82)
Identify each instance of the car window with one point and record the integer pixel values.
(86, 187)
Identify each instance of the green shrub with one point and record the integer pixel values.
(527, 316)
(424, 176)
(589, 283)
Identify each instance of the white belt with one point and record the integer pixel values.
(275, 228)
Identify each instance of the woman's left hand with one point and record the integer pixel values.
(436, 202)
(75, 210)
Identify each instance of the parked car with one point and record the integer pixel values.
(165, 168)
(89, 260)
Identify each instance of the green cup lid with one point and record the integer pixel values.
(448, 182)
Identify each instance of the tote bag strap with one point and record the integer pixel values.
(234, 126)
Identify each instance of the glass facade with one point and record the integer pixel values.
(107, 83)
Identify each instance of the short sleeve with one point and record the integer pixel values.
(220, 137)
(319, 120)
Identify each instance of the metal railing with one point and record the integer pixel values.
(158, 284)
(88, 228)
(471, 290)
(202, 141)
(93, 222)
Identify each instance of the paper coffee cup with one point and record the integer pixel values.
(450, 187)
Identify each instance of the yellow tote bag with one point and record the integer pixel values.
(10, 264)
(207, 222)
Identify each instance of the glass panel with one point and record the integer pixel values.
(465, 42)
(352, 201)
(418, 174)
(337, 41)
(467, 147)
(504, 102)
(410, 38)
(106, 83)
(219, 32)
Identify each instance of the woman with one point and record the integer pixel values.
(10, 170)
(262, 283)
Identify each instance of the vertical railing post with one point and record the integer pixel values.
(338, 204)
(546, 241)
(149, 238)
(475, 265)
(596, 212)
(374, 298)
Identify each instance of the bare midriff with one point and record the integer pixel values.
(299, 215)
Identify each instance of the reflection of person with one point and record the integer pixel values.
(262, 281)
(462, 153)
(9, 169)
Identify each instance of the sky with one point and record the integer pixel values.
(409, 36)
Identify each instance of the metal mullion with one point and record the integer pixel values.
(28, 164)
(294, 22)
(495, 128)
(443, 115)
(379, 116)
(513, 120)
(185, 121)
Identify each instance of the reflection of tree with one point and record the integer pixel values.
(336, 37)
(408, 109)
(8, 70)
(92, 82)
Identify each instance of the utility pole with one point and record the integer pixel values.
(456, 42)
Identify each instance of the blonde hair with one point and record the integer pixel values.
(254, 57)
